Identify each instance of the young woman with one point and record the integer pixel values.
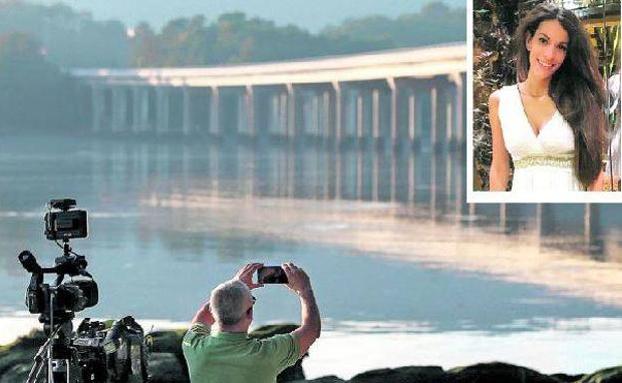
(552, 122)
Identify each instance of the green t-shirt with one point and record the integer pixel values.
(234, 358)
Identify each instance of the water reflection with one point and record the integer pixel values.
(167, 217)
(429, 182)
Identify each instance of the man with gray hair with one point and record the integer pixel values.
(217, 348)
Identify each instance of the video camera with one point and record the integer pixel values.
(96, 352)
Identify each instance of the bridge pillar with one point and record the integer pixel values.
(412, 118)
(134, 127)
(119, 109)
(434, 113)
(98, 105)
(162, 110)
(375, 115)
(393, 131)
(295, 126)
(214, 115)
(144, 124)
(326, 115)
(268, 113)
(360, 116)
(186, 111)
(443, 109)
(249, 106)
(337, 116)
(138, 120)
(283, 115)
(457, 100)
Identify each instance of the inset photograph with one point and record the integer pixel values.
(546, 102)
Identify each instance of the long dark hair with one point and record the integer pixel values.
(576, 87)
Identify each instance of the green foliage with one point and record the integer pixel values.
(415, 29)
(31, 89)
(234, 38)
(69, 38)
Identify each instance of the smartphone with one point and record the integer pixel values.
(271, 274)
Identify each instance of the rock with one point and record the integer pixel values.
(607, 375)
(165, 368)
(426, 374)
(269, 330)
(16, 359)
(496, 372)
(567, 378)
(165, 341)
(17, 373)
(166, 364)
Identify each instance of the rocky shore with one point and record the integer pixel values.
(166, 365)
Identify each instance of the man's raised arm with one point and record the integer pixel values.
(309, 330)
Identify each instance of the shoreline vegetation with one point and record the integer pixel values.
(166, 364)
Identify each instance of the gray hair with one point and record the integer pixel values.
(227, 302)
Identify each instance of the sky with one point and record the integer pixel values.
(311, 15)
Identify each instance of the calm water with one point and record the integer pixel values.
(169, 221)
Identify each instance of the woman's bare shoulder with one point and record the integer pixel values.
(495, 97)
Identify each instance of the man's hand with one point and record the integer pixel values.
(298, 280)
(245, 275)
(204, 315)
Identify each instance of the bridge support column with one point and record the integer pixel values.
(443, 110)
(98, 103)
(143, 113)
(119, 109)
(214, 111)
(162, 110)
(337, 116)
(295, 126)
(457, 107)
(434, 114)
(249, 106)
(326, 115)
(186, 111)
(283, 115)
(137, 110)
(376, 134)
(393, 111)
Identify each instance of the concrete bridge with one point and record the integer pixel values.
(391, 98)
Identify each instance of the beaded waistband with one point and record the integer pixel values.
(555, 160)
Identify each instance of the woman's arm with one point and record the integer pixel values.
(599, 183)
(500, 167)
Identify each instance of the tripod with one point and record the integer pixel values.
(56, 353)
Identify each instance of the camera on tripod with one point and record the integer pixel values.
(96, 352)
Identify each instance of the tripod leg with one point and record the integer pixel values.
(39, 362)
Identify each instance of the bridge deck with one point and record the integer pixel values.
(413, 62)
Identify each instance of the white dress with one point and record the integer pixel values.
(542, 163)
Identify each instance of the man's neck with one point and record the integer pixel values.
(237, 328)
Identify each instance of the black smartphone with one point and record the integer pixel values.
(271, 274)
